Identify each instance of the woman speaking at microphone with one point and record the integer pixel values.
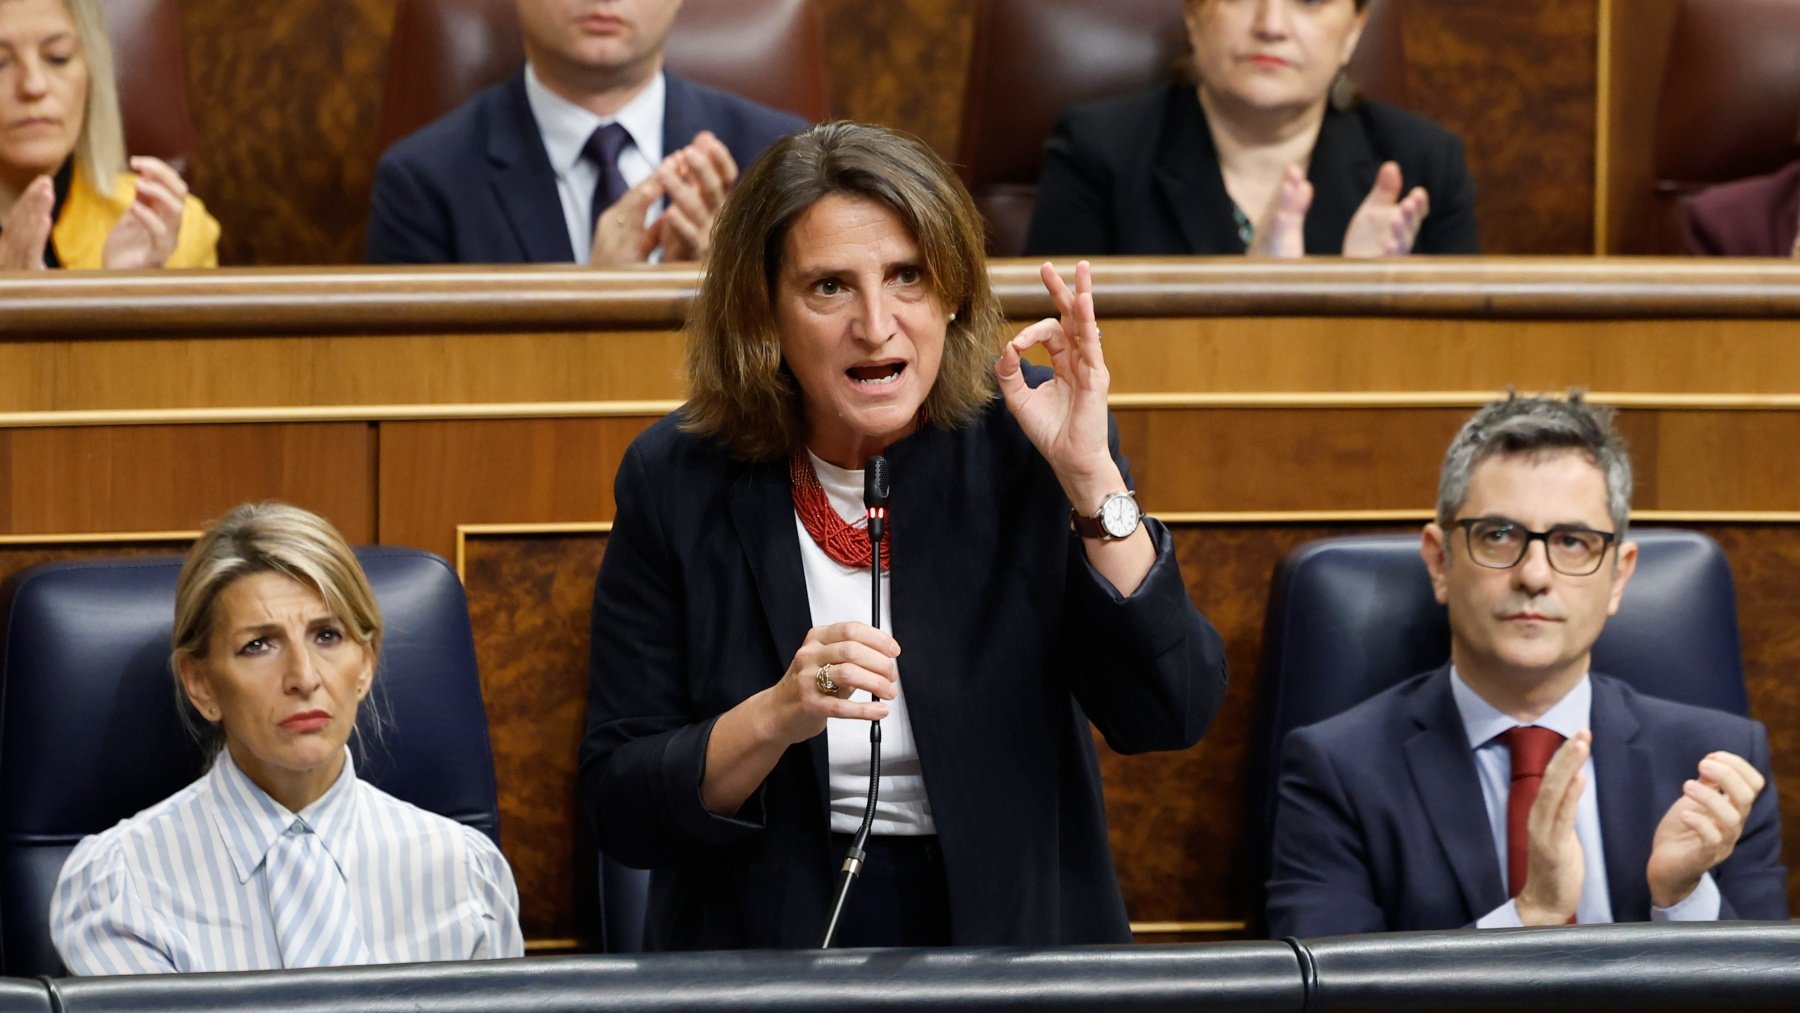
(847, 313)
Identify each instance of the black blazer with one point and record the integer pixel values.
(1140, 175)
(476, 187)
(1011, 645)
(1380, 824)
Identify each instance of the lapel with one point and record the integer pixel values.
(682, 117)
(935, 471)
(1443, 773)
(523, 182)
(1342, 171)
(761, 506)
(1187, 175)
(1628, 813)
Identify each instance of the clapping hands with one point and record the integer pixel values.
(695, 180)
(145, 235)
(1386, 225)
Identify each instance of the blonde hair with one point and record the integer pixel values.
(740, 392)
(100, 147)
(264, 538)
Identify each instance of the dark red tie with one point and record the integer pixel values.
(1531, 748)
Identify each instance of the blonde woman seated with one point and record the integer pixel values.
(68, 195)
(279, 856)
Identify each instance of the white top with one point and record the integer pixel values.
(838, 593)
(566, 127)
(182, 885)
(1483, 724)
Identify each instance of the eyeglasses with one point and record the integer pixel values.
(1499, 544)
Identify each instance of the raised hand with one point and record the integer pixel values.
(145, 235)
(696, 178)
(1554, 870)
(1700, 830)
(1281, 229)
(1386, 225)
(620, 236)
(1064, 417)
(26, 229)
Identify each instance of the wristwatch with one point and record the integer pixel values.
(1118, 517)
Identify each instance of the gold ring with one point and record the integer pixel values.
(822, 679)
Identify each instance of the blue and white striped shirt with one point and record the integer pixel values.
(182, 885)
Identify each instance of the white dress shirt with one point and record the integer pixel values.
(837, 593)
(565, 128)
(182, 886)
(1483, 724)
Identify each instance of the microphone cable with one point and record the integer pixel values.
(876, 488)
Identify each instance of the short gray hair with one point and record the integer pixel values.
(1534, 427)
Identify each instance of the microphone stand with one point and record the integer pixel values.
(875, 493)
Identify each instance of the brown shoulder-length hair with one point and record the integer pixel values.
(740, 392)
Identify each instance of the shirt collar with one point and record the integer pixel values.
(249, 822)
(1482, 721)
(566, 127)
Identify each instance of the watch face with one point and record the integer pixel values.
(1119, 515)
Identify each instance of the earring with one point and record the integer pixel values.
(953, 316)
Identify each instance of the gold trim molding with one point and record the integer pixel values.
(466, 531)
(653, 409)
(1185, 928)
(99, 538)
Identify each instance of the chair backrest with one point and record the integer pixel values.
(444, 51)
(1350, 617)
(1031, 59)
(152, 74)
(89, 732)
(1730, 105)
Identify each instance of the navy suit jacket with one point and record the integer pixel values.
(1380, 824)
(1011, 645)
(476, 187)
(1140, 175)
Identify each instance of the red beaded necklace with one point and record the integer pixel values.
(844, 543)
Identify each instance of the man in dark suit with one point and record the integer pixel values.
(1514, 786)
(591, 153)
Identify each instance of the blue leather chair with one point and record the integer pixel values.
(1350, 617)
(89, 731)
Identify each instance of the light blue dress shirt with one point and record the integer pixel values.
(182, 886)
(1483, 724)
(565, 128)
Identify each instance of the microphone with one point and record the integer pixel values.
(878, 485)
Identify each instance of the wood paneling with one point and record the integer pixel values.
(488, 339)
(437, 475)
(286, 97)
(1635, 53)
(901, 63)
(1516, 80)
(175, 478)
(528, 602)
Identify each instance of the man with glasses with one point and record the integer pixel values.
(1514, 786)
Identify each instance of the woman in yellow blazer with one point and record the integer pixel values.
(68, 195)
